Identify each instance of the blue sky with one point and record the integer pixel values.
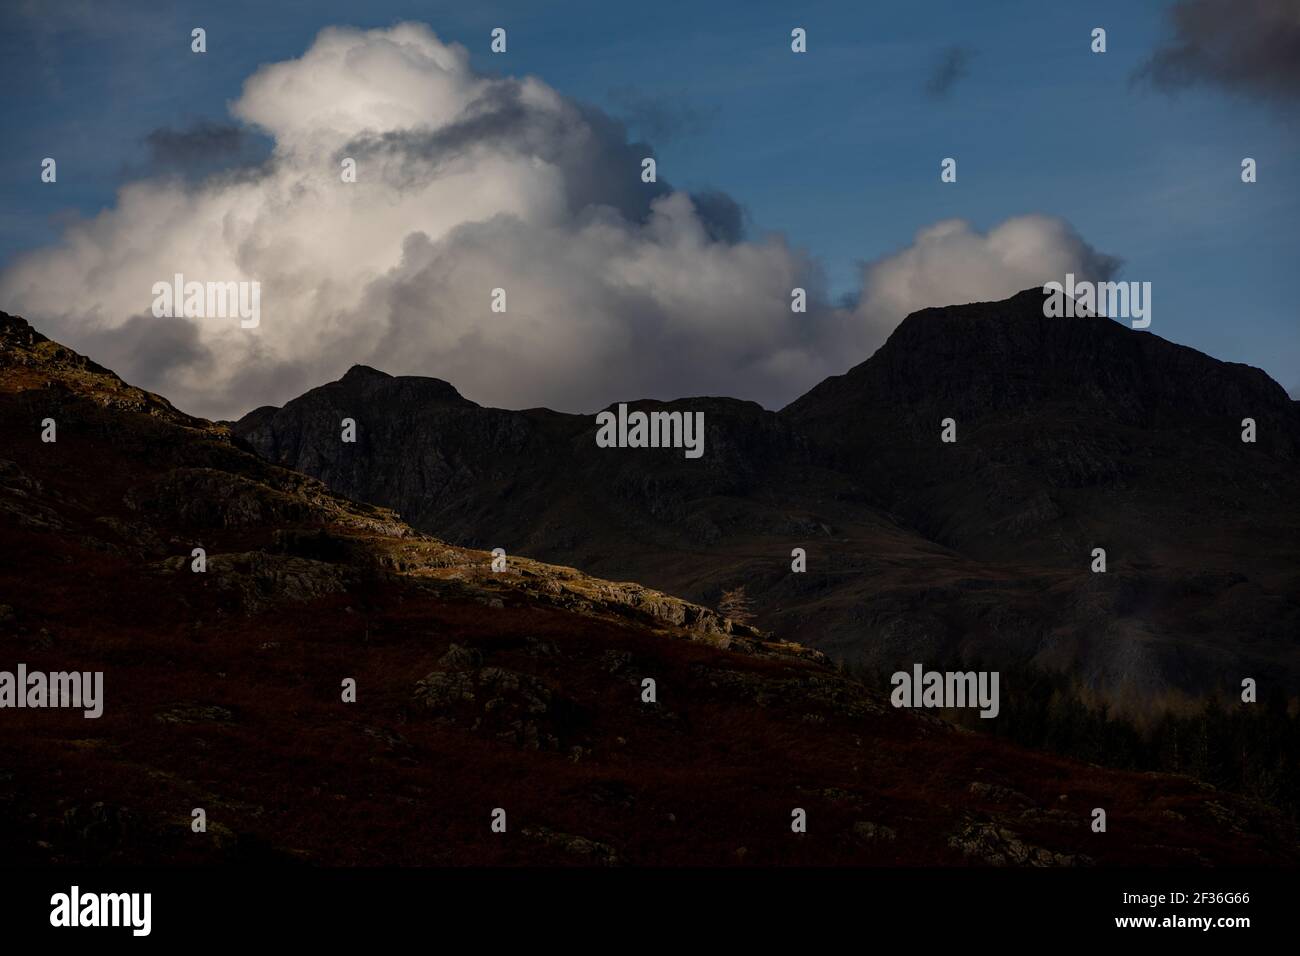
(839, 149)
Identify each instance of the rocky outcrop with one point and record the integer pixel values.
(995, 845)
(507, 705)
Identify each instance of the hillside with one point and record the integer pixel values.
(518, 689)
(1072, 434)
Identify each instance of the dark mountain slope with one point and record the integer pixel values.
(476, 689)
(1073, 434)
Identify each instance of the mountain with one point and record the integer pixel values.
(1071, 435)
(520, 689)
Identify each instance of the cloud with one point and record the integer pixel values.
(953, 65)
(951, 262)
(615, 289)
(144, 341)
(202, 149)
(723, 217)
(202, 144)
(1244, 46)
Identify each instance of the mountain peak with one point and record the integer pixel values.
(422, 388)
(361, 373)
(996, 358)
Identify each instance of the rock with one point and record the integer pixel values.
(997, 846)
(997, 794)
(461, 658)
(616, 662)
(438, 691)
(194, 713)
(540, 648)
(591, 850)
(256, 580)
(514, 707)
(391, 739)
(868, 832)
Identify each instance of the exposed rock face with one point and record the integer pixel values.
(869, 832)
(31, 360)
(1073, 434)
(511, 706)
(581, 848)
(255, 581)
(997, 846)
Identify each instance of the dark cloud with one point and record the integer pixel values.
(953, 65)
(169, 345)
(600, 167)
(199, 143)
(1244, 46)
(1099, 266)
(723, 217)
(199, 150)
(590, 147)
(660, 119)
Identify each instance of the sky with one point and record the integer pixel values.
(521, 170)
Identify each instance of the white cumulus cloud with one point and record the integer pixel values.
(616, 289)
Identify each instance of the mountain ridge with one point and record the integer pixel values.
(1072, 434)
